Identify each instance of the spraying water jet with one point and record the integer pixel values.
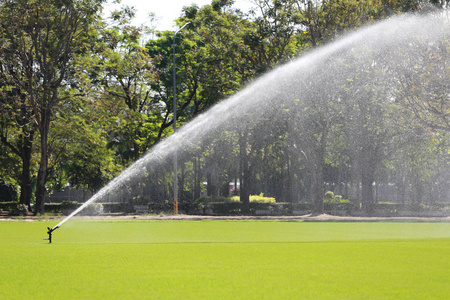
(355, 79)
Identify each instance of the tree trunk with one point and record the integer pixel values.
(244, 174)
(197, 188)
(317, 172)
(181, 194)
(368, 162)
(42, 173)
(209, 184)
(317, 189)
(367, 178)
(40, 189)
(25, 184)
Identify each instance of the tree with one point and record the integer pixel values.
(423, 87)
(276, 34)
(42, 37)
(208, 58)
(124, 73)
(17, 129)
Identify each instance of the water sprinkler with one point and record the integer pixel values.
(49, 232)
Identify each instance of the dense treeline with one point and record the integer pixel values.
(82, 98)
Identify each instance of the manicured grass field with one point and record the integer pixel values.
(141, 259)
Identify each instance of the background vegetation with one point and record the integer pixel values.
(82, 97)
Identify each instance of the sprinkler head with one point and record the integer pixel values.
(49, 232)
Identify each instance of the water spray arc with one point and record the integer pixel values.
(370, 62)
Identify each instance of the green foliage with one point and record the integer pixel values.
(337, 208)
(208, 199)
(19, 210)
(6, 206)
(54, 208)
(69, 206)
(93, 209)
(8, 192)
(253, 198)
(115, 101)
(330, 197)
(225, 208)
(114, 207)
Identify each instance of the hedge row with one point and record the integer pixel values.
(280, 208)
(6, 206)
(385, 209)
(109, 207)
(233, 208)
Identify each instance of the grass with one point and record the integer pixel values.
(132, 259)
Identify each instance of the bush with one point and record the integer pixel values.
(391, 207)
(261, 199)
(71, 205)
(92, 209)
(338, 206)
(160, 207)
(236, 208)
(52, 207)
(8, 192)
(330, 197)
(68, 207)
(253, 198)
(280, 208)
(114, 207)
(19, 210)
(209, 199)
(226, 208)
(302, 207)
(8, 205)
(254, 206)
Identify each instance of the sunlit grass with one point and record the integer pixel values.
(224, 260)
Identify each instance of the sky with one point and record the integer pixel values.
(166, 10)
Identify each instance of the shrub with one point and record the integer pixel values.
(280, 208)
(114, 207)
(261, 199)
(19, 210)
(72, 205)
(391, 207)
(226, 208)
(8, 205)
(69, 206)
(230, 205)
(209, 199)
(52, 207)
(160, 207)
(330, 197)
(93, 209)
(254, 198)
(8, 192)
(302, 206)
(338, 206)
(254, 206)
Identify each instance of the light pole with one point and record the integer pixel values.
(175, 159)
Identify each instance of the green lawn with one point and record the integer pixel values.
(138, 259)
